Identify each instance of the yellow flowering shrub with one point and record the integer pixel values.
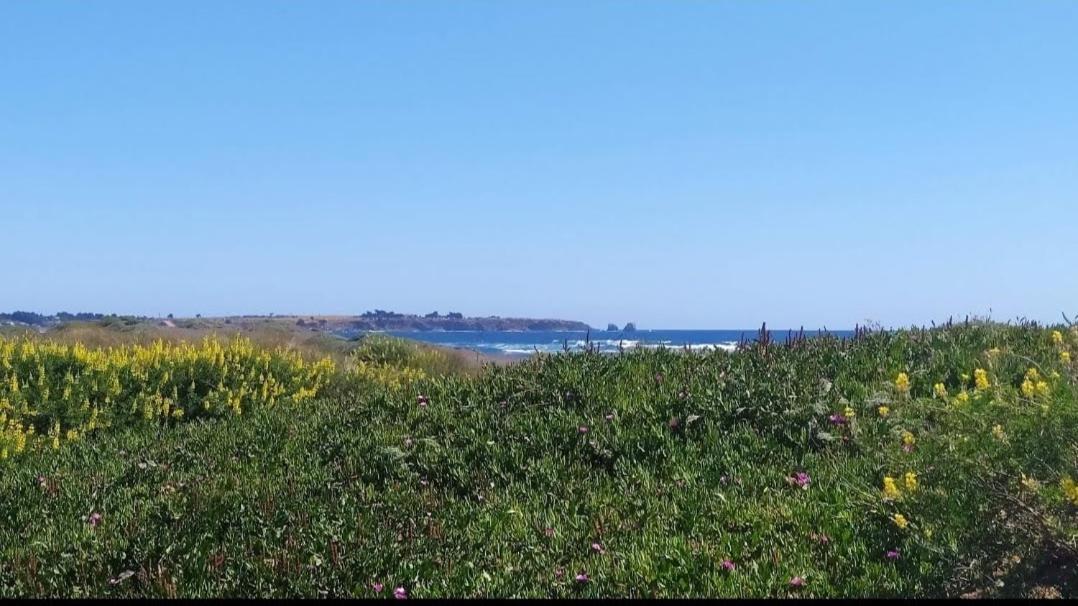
(902, 383)
(63, 392)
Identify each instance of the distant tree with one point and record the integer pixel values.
(453, 315)
(198, 315)
(301, 322)
(170, 316)
(432, 314)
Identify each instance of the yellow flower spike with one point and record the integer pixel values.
(1065, 357)
(980, 379)
(962, 397)
(1070, 489)
(910, 480)
(849, 413)
(908, 438)
(900, 521)
(1042, 388)
(1028, 388)
(997, 432)
(940, 390)
(890, 488)
(902, 383)
(1057, 337)
(883, 411)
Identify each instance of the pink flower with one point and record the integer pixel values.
(658, 377)
(582, 578)
(94, 519)
(548, 531)
(422, 400)
(400, 593)
(837, 419)
(582, 429)
(377, 587)
(597, 548)
(797, 582)
(893, 554)
(802, 480)
(609, 417)
(728, 565)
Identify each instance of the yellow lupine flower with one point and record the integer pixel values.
(1042, 388)
(902, 382)
(908, 438)
(997, 431)
(890, 488)
(900, 521)
(884, 411)
(911, 481)
(1028, 388)
(849, 413)
(1057, 337)
(1070, 489)
(1065, 357)
(940, 390)
(980, 379)
(962, 397)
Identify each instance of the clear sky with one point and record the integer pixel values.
(678, 163)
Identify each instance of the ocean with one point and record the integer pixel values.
(523, 343)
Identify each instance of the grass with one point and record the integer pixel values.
(642, 472)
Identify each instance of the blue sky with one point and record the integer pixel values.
(681, 164)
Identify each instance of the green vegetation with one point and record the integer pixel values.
(921, 463)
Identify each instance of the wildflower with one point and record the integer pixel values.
(908, 439)
(1065, 357)
(94, 520)
(609, 417)
(581, 578)
(548, 531)
(849, 413)
(797, 582)
(884, 411)
(377, 587)
(837, 419)
(997, 431)
(890, 488)
(900, 521)
(1028, 388)
(1057, 337)
(911, 481)
(902, 382)
(422, 400)
(400, 593)
(962, 397)
(893, 554)
(1070, 489)
(801, 479)
(1033, 375)
(980, 379)
(597, 548)
(728, 565)
(940, 390)
(993, 352)
(582, 429)
(1042, 388)
(965, 377)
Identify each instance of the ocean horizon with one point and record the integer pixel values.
(523, 343)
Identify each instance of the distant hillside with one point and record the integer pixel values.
(382, 320)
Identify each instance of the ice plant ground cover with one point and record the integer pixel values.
(911, 463)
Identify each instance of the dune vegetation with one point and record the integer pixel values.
(933, 462)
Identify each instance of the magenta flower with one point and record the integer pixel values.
(802, 480)
(907, 448)
(893, 554)
(728, 565)
(582, 578)
(400, 593)
(658, 377)
(609, 417)
(94, 520)
(797, 582)
(597, 548)
(422, 400)
(837, 419)
(377, 587)
(548, 531)
(559, 573)
(582, 429)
